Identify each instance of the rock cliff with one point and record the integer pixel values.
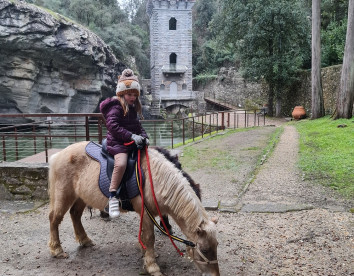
(50, 64)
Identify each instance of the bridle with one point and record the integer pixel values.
(206, 260)
(194, 246)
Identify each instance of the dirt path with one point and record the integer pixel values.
(287, 226)
(284, 226)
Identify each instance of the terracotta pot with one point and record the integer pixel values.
(299, 112)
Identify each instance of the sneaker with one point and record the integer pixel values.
(113, 207)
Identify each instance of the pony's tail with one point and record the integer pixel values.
(51, 178)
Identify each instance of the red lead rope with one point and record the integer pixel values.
(142, 196)
(142, 202)
(153, 193)
(157, 206)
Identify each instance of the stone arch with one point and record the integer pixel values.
(179, 109)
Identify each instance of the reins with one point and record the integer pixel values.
(186, 242)
(155, 201)
(142, 202)
(139, 177)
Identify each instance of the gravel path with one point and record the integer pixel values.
(283, 225)
(279, 182)
(287, 226)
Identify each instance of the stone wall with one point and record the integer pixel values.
(21, 181)
(50, 64)
(300, 93)
(230, 87)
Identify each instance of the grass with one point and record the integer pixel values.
(213, 135)
(208, 158)
(273, 141)
(327, 153)
(194, 158)
(198, 138)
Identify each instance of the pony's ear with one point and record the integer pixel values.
(200, 230)
(215, 219)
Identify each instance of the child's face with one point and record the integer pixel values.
(130, 98)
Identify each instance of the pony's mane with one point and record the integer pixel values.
(176, 191)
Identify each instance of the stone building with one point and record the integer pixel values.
(171, 54)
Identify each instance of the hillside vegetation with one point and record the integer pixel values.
(217, 29)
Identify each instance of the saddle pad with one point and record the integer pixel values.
(129, 188)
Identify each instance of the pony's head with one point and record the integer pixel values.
(204, 254)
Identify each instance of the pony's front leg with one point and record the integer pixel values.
(148, 238)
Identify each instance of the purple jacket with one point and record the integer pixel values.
(119, 127)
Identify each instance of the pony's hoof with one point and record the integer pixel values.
(157, 274)
(104, 215)
(154, 270)
(87, 243)
(61, 255)
(56, 251)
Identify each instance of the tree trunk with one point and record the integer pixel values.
(345, 96)
(278, 101)
(317, 106)
(278, 109)
(270, 100)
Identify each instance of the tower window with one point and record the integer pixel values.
(173, 58)
(173, 24)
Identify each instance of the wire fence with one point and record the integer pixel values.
(34, 137)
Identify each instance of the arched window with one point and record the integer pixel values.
(173, 58)
(184, 86)
(173, 24)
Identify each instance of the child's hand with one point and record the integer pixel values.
(139, 140)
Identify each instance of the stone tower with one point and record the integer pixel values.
(171, 53)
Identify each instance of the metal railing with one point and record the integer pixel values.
(28, 135)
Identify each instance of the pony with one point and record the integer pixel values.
(73, 185)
